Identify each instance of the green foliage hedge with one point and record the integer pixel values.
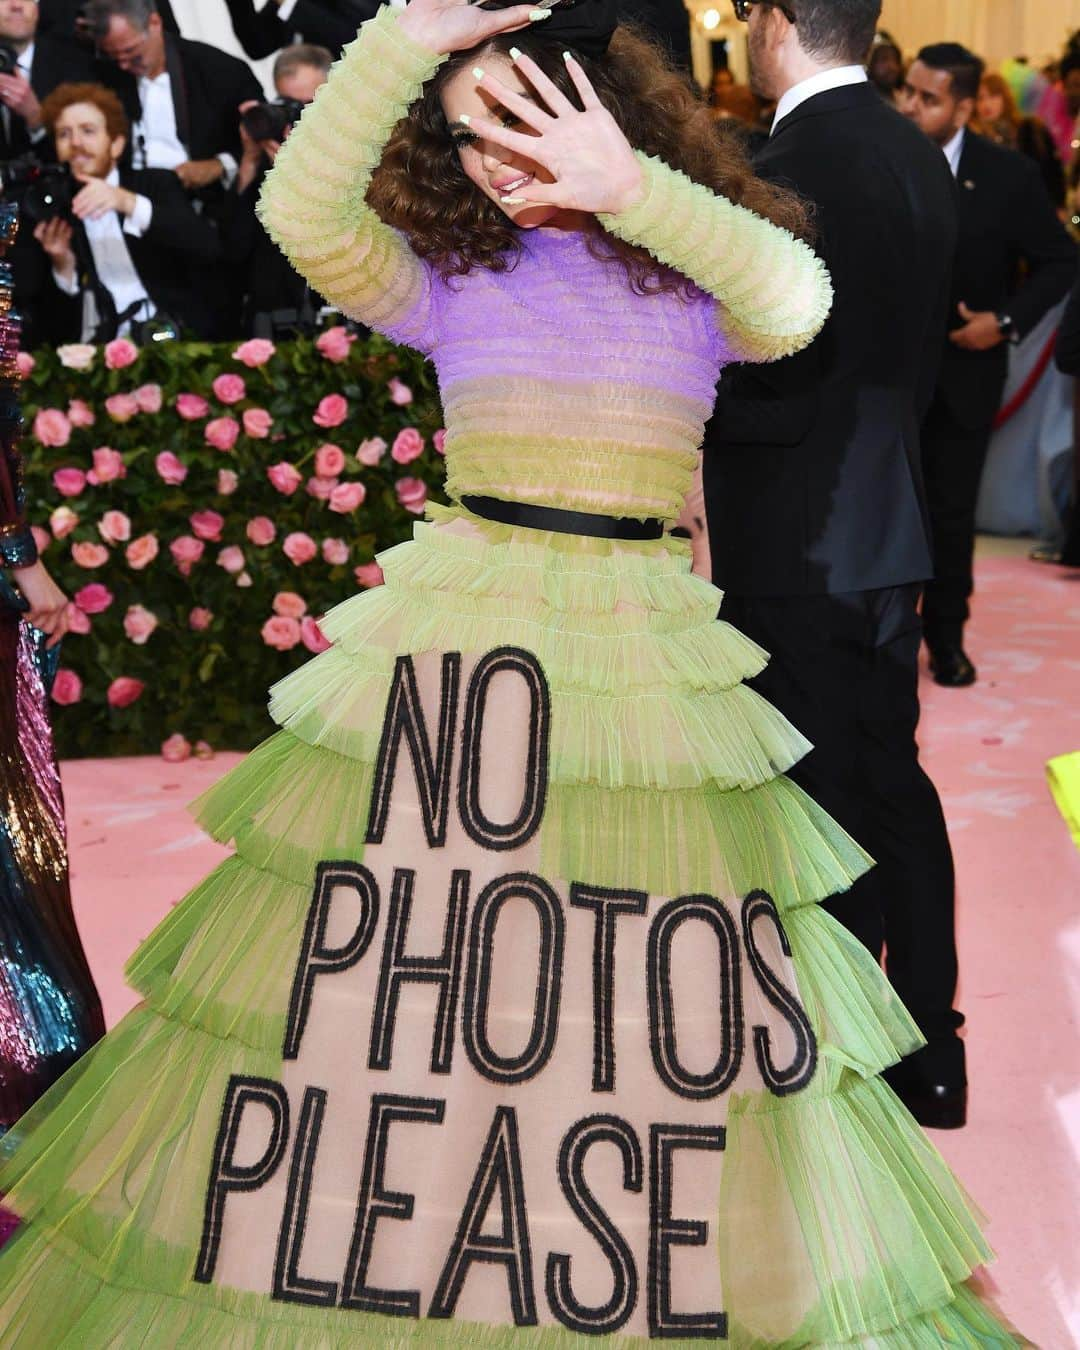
(106, 431)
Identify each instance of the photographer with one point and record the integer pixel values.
(330, 23)
(277, 300)
(31, 66)
(127, 246)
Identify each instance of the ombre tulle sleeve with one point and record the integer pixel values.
(312, 201)
(773, 291)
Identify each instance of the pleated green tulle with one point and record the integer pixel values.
(667, 774)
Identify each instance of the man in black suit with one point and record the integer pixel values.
(135, 248)
(1014, 261)
(815, 508)
(43, 62)
(324, 23)
(182, 97)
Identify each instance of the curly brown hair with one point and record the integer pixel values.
(421, 189)
(106, 102)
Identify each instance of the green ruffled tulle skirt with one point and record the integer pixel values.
(512, 1020)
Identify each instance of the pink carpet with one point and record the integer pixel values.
(135, 852)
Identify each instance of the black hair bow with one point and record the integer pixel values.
(585, 26)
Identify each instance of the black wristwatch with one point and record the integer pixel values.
(1007, 327)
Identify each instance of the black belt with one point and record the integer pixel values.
(562, 522)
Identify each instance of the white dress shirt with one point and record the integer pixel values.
(836, 78)
(115, 270)
(157, 143)
(954, 148)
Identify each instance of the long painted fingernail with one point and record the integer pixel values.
(464, 119)
(478, 72)
(568, 56)
(515, 53)
(535, 15)
(513, 201)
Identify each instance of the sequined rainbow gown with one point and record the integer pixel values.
(513, 1019)
(49, 1008)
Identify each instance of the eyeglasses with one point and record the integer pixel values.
(743, 8)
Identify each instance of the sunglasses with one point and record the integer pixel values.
(743, 8)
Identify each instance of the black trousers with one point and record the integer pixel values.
(953, 457)
(843, 669)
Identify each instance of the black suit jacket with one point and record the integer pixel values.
(56, 61)
(1068, 343)
(813, 480)
(328, 23)
(1013, 255)
(173, 258)
(208, 87)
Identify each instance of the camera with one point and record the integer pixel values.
(270, 121)
(43, 191)
(9, 59)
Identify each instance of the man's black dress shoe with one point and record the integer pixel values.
(951, 667)
(936, 1106)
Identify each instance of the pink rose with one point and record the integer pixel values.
(289, 605)
(412, 494)
(299, 548)
(78, 620)
(42, 538)
(62, 521)
(408, 445)
(227, 482)
(335, 552)
(229, 388)
(331, 412)
(80, 413)
(191, 407)
(284, 477)
(67, 687)
(257, 423)
(281, 633)
(94, 598)
(120, 353)
(207, 525)
(186, 552)
(369, 574)
(89, 555)
(204, 750)
(329, 461)
(400, 393)
(232, 559)
(141, 552)
(222, 432)
(311, 635)
(148, 397)
(347, 497)
(114, 527)
(139, 623)
(69, 482)
(176, 749)
(51, 427)
(439, 441)
(261, 530)
(334, 344)
(200, 619)
(371, 451)
(244, 580)
(171, 469)
(108, 466)
(123, 691)
(24, 364)
(77, 355)
(321, 488)
(255, 352)
(121, 407)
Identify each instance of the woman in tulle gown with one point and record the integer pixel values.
(513, 1020)
(49, 1008)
